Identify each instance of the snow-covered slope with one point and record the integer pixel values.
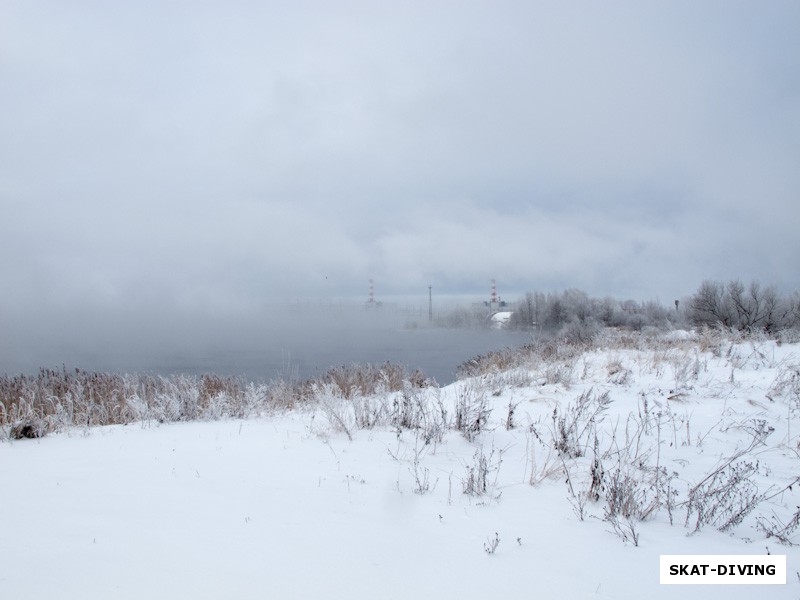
(564, 477)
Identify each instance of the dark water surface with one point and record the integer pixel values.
(437, 352)
(281, 342)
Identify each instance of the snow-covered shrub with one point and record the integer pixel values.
(617, 373)
(724, 497)
(685, 369)
(491, 544)
(628, 494)
(750, 309)
(138, 409)
(421, 474)
(787, 385)
(339, 413)
(283, 394)
(476, 481)
(625, 528)
(548, 467)
(789, 336)
(369, 411)
(580, 332)
(784, 532)
(472, 410)
(572, 426)
(499, 361)
(366, 379)
(558, 374)
(424, 412)
(509, 421)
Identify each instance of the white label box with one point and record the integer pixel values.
(725, 569)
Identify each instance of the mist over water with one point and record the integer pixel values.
(280, 340)
(437, 352)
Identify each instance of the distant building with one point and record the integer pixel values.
(497, 304)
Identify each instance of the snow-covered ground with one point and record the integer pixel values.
(289, 506)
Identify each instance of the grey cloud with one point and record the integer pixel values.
(197, 155)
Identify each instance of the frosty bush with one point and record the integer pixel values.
(472, 411)
(784, 532)
(628, 494)
(476, 481)
(724, 498)
(572, 427)
(366, 379)
(491, 544)
(728, 494)
(751, 308)
(499, 361)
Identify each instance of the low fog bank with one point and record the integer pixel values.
(303, 339)
(287, 339)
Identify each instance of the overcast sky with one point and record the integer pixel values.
(201, 155)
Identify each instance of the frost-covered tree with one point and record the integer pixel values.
(744, 308)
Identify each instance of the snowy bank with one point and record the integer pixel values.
(565, 475)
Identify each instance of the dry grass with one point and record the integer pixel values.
(52, 400)
(547, 353)
(368, 379)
